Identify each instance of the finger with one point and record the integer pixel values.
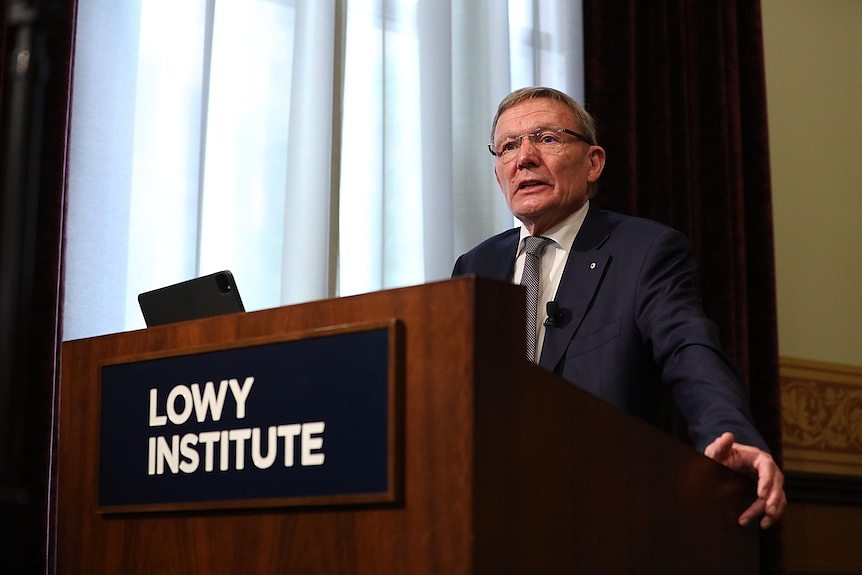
(754, 510)
(721, 448)
(774, 513)
(775, 494)
(770, 480)
(766, 481)
(776, 505)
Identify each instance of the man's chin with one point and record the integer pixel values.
(532, 220)
(529, 214)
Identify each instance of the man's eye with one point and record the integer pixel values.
(548, 138)
(508, 146)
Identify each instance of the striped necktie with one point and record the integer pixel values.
(534, 247)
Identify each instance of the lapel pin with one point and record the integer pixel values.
(593, 266)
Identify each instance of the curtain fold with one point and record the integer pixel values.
(678, 90)
(103, 164)
(435, 57)
(480, 28)
(305, 249)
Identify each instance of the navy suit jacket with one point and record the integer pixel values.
(632, 322)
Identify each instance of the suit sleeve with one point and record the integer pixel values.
(706, 386)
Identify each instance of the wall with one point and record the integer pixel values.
(814, 89)
(813, 52)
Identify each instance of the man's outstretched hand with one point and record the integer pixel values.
(751, 460)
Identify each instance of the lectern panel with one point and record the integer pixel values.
(257, 425)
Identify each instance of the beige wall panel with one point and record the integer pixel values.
(814, 88)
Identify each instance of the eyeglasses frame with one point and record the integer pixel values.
(536, 132)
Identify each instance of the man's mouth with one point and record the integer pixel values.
(529, 184)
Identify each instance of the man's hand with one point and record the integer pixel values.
(771, 500)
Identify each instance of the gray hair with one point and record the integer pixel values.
(586, 124)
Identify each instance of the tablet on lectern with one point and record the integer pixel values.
(205, 296)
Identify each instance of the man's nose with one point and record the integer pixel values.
(528, 153)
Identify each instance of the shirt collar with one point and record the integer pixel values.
(563, 234)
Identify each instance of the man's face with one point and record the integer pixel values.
(543, 188)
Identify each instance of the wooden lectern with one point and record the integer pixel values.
(503, 467)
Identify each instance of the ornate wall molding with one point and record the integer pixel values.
(821, 417)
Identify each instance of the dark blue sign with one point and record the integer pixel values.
(298, 421)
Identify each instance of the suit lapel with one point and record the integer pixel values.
(585, 268)
(502, 261)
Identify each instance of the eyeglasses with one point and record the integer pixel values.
(546, 140)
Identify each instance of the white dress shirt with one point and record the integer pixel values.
(553, 262)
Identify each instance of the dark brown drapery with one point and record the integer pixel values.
(678, 91)
(35, 82)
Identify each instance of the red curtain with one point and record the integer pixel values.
(678, 91)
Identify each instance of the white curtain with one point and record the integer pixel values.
(316, 148)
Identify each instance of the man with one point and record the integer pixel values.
(625, 317)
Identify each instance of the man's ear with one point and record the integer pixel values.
(597, 163)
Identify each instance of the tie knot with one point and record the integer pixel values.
(535, 245)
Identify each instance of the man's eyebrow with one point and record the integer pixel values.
(512, 135)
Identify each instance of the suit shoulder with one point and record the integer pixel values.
(494, 242)
(644, 230)
(623, 222)
(491, 257)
